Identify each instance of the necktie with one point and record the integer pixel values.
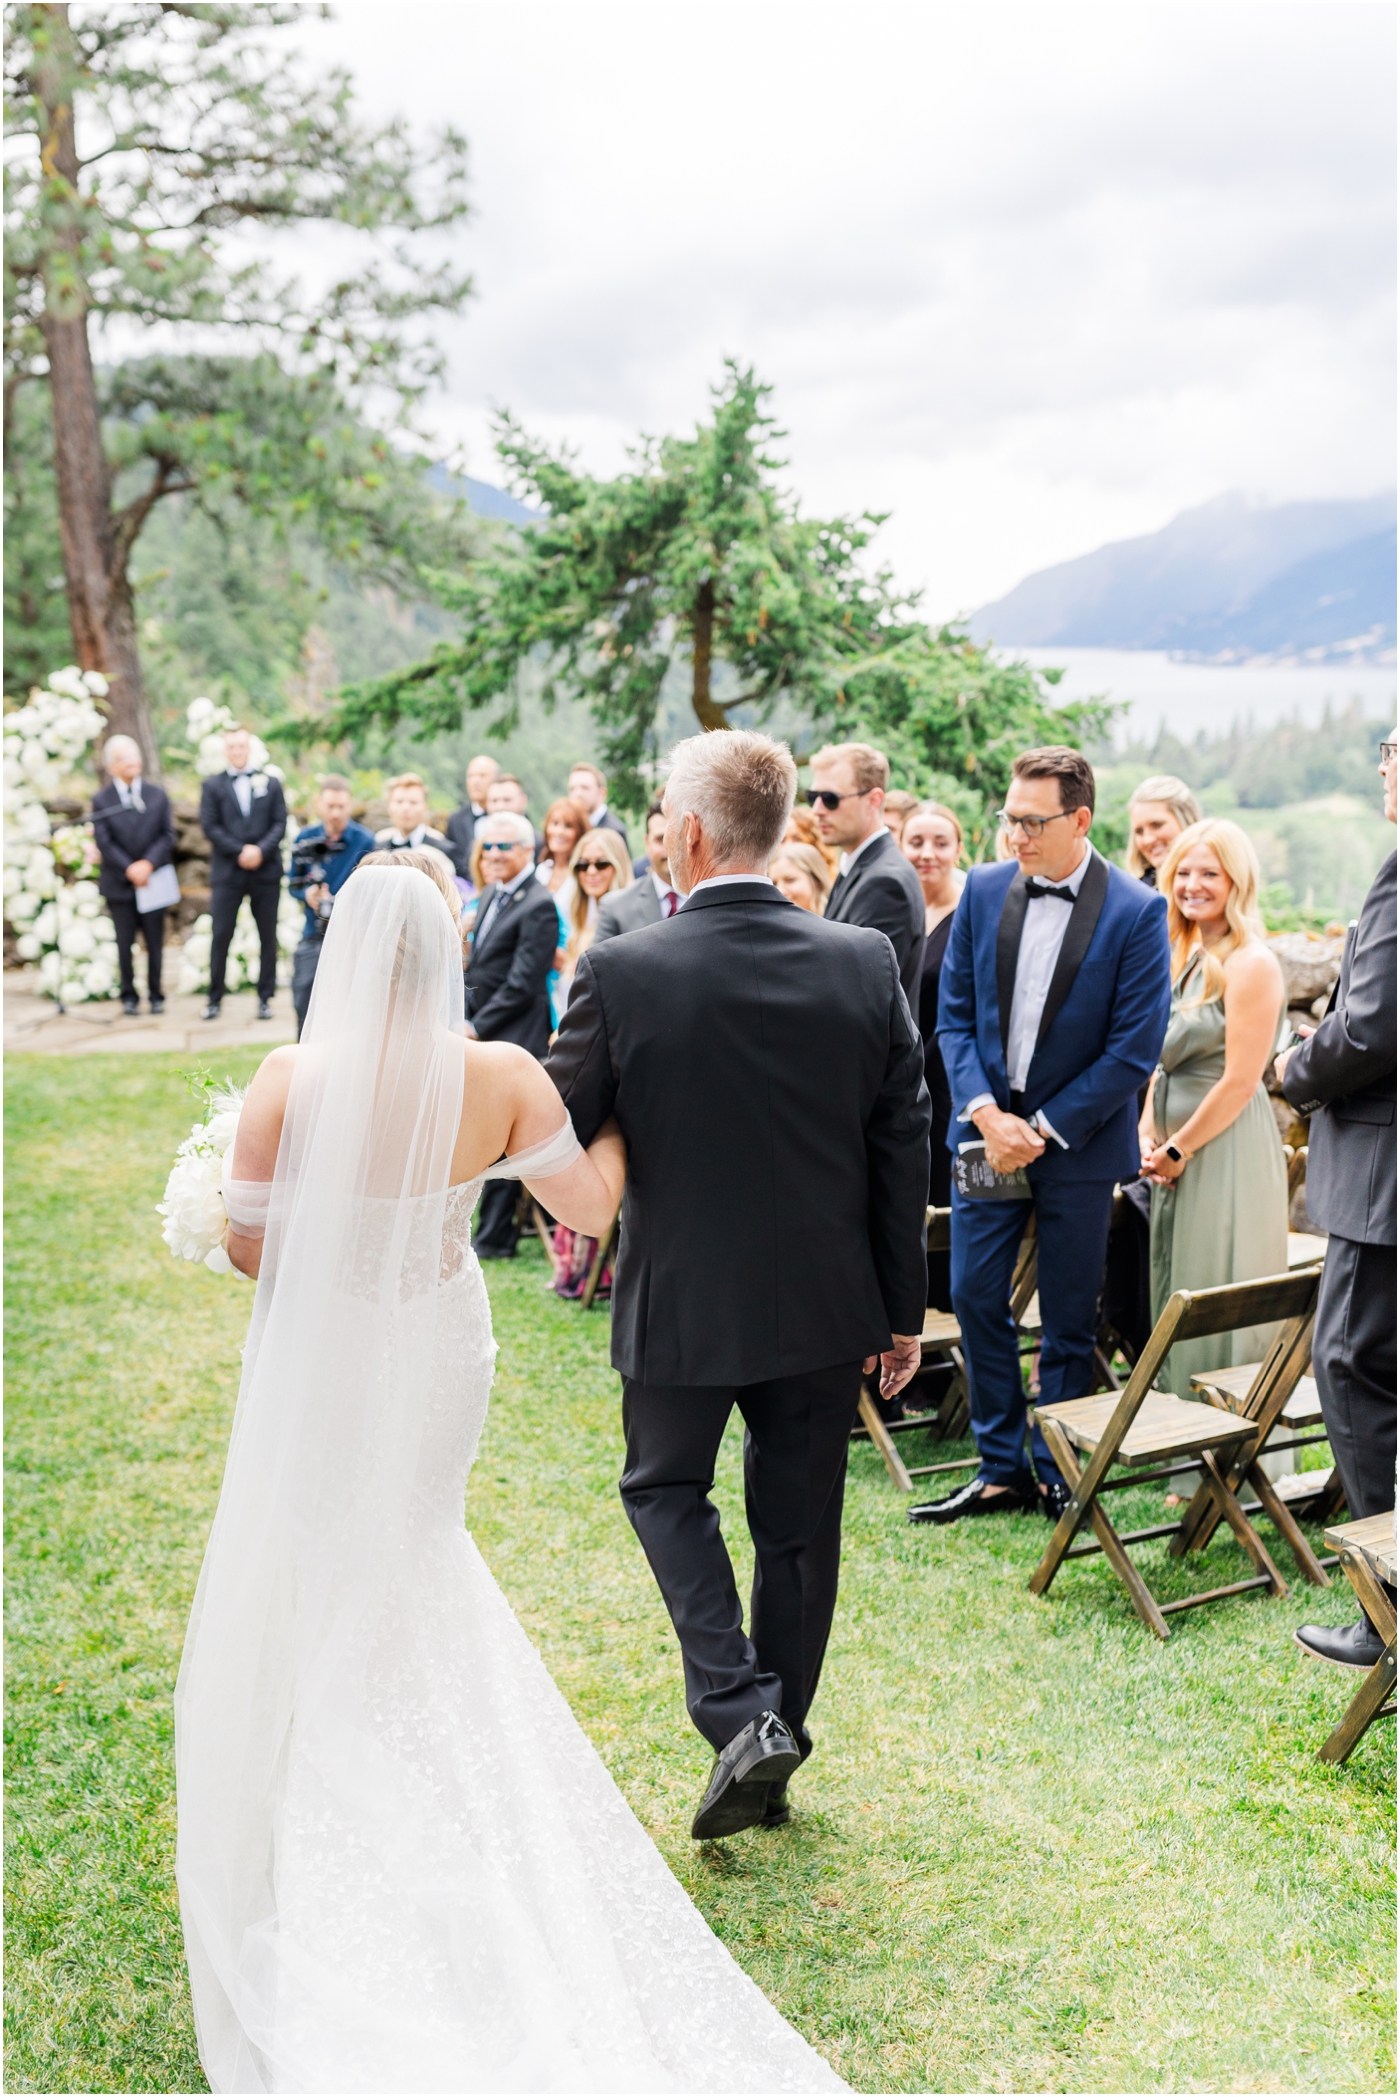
(670, 903)
(1036, 888)
(131, 795)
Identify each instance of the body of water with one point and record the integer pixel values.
(1191, 697)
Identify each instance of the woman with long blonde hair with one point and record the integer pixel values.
(1210, 1144)
(600, 867)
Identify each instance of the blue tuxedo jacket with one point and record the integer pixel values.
(1104, 1020)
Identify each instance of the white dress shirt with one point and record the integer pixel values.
(666, 888)
(1042, 935)
(848, 859)
(722, 881)
(243, 788)
(130, 793)
(495, 890)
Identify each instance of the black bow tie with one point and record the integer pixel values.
(1036, 888)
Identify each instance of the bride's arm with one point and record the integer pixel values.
(586, 1192)
(255, 1145)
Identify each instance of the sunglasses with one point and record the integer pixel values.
(594, 866)
(823, 796)
(497, 847)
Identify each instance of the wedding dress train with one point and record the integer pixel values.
(402, 1865)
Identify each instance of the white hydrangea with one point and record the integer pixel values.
(59, 927)
(193, 1208)
(206, 725)
(241, 971)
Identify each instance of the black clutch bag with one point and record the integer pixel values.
(976, 1181)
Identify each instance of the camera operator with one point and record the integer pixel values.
(324, 855)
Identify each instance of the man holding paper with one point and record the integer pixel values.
(1054, 1001)
(135, 835)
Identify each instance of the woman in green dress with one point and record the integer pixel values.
(1210, 1144)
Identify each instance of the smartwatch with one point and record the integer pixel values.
(1178, 1157)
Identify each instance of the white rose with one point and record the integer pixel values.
(28, 947)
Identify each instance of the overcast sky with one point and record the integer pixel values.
(1029, 277)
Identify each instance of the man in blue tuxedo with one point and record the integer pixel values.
(1054, 1001)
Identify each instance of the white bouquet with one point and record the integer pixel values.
(194, 1209)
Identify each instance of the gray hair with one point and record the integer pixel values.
(741, 785)
(117, 743)
(1173, 793)
(505, 822)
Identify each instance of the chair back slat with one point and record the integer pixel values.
(1239, 1304)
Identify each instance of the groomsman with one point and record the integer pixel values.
(1054, 1000)
(135, 834)
(1344, 1077)
(876, 885)
(243, 815)
(462, 824)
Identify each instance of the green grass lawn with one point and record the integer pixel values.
(1035, 1849)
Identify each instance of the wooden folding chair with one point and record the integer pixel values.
(940, 1347)
(1309, 1496)
(607, 1250)
(1140, 1427)
(1367, 1552)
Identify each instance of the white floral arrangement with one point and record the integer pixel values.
(195, 1213)
(241, 971)
(206, 725)
(58, 922)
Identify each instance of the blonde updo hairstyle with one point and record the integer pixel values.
(1240, 864)
(429, 863)
(1172, 793)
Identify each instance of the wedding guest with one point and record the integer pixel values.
(506, 793)
(513, 943)
(1210, 1144)
(461, 825)
(876, 885)
(601, 868)
(564, 828)
(932, 843)
(802, 830)
(348, 844)
(589, 788)
(803, 875)
(1160, 809)
(899, 806)
(650, 896)
(409, 829)
(244, 815)
(1343, 1075)
(135, 834)
(1054, 999)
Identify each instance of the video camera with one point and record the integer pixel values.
(309, 869)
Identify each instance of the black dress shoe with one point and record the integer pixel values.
(1357, 1645)
(157, 1007)
(967, 1501)
(1055, 1499)
(745, 1771)
(211, 1010)
(131, 1006)
(777, 1813)
(264, 1008)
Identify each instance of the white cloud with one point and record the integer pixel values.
(1032, 277)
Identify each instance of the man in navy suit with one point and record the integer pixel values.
(1054, 1001)
(135, 834)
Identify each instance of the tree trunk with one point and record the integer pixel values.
(95, 572)
(702, 632)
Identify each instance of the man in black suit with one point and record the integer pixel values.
(652, 895)
(243, 814)
(1343, 1075)
(132, 824)
(765, 1072)
(462, 823)
(876, 885)
(507, 984)
(588, 790)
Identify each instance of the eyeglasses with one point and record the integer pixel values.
(1033, 826)
(824, 796)
(1387, 753)
(594, 866)
(495, 846)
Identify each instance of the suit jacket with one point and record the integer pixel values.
(125, 834)
(611, 822)
(636, 906)
(229, 830)
(768, 1080)
(461, 836)
(1102, 1028)
(507, 976)
(882, 890)
(1344, 1077)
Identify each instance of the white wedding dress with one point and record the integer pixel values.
(402, 1865)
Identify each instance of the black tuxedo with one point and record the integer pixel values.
(768, 1080)
(228, 831)
(882, 890)
(507, 983)
(124, 835)
(1344, 1077)
(461, 836)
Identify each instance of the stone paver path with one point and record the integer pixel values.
(102, 1029)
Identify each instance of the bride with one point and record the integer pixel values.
(402, 1866)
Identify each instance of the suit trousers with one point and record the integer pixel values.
(797, 1431)
(1072, 1219)
(264, 895)
(1354, 1367)
(497, 1233)
(127, 920)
